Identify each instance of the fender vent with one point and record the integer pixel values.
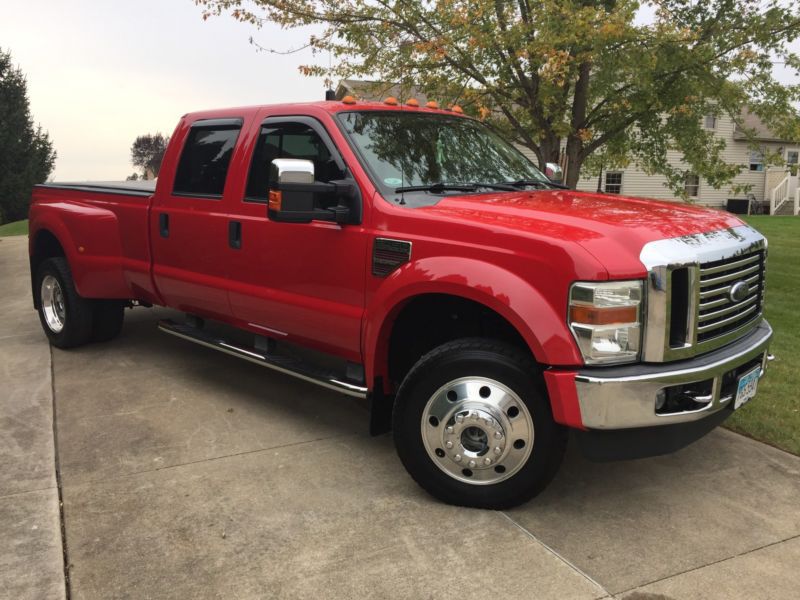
(387, 255)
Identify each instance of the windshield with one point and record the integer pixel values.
(411, 150)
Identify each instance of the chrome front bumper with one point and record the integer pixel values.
(625, 397)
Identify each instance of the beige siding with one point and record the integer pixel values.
(635, 182)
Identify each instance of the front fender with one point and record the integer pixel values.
(542, 327)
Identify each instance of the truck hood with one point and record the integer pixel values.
(612, 228)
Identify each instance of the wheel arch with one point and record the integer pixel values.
(515, 302)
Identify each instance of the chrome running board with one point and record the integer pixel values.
(281, 364)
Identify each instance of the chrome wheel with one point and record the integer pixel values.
(477, 430)
(52, 299)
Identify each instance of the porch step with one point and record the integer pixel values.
(283, 364)
(786, 209)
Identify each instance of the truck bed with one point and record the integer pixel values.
(103, 229)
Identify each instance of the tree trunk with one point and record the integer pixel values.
(549, 150)
(574, 161)
(580, 100)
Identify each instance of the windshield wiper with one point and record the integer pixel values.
(457, 187)
(437, 188)
(536, 183)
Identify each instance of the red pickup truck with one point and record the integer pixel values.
(410, 256)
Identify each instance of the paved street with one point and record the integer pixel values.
(190, 474)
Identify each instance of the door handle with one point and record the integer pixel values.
(163, 225)
(235, 235)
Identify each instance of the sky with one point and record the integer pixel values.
(102, 72)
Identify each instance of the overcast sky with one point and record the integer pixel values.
(101, 72)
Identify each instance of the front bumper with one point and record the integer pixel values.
(625, 397)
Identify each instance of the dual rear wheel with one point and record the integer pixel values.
(68, 319)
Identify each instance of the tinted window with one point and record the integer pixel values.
(205, 159)
(288, 140)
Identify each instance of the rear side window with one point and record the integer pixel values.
(288, 140)
(206, 156)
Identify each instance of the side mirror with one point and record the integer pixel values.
(294, 194)
(554, 172)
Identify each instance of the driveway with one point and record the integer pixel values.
(185, 473)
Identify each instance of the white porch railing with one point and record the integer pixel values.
(797, 201)
(780, 195)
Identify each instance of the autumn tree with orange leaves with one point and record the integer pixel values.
(579, 74)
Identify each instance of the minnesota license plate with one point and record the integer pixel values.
(747, 387)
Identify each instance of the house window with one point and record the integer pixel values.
(756, 160)
(792, 157)
(614, 182)
(710, 122)
(691, 185)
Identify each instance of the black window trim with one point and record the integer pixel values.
(312, 122)
(226, 123)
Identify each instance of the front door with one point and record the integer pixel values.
(303, 282)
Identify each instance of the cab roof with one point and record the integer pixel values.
(330, 106)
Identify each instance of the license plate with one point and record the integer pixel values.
(747, 387)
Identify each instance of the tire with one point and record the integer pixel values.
(107, 319)
(473, 425)
(66, 317)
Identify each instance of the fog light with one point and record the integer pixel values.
(661, 398)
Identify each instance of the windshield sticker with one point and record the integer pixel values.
(393, 181)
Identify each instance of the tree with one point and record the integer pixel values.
(584, 75)
(147, 152)
(26, 152)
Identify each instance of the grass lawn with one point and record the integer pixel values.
(773, 416)
(15, 228)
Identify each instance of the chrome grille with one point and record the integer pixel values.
(718, 314)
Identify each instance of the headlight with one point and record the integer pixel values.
(605, 319)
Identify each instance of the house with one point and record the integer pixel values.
(771, 188)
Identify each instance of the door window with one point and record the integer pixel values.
(288, 140)
(203, 166)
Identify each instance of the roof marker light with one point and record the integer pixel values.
(412, 102)
(349, 100)
(458, 109)
(391, 101)
(432, 104)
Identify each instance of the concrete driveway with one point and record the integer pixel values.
(186, 473)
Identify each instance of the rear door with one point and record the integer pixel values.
(298, 281)
(189, 221)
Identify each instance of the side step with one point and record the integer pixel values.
(282, 364)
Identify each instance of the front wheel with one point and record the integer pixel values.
(473, 426)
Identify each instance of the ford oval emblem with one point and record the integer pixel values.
(739, 291)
